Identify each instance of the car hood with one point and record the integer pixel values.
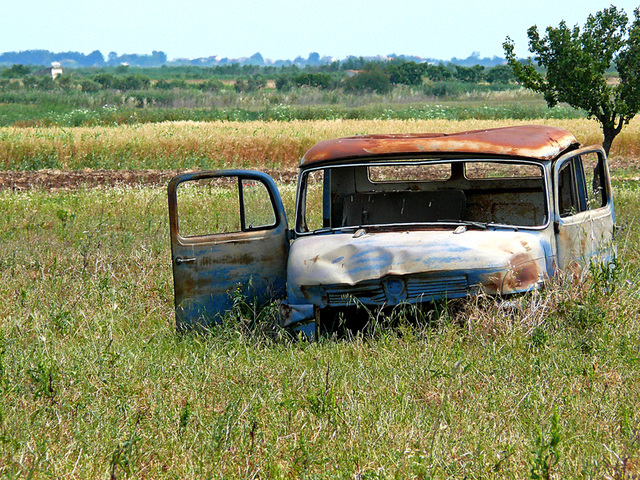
(346, 258)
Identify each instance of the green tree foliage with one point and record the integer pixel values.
(250, 84)
(320, 80)
(164, 84)
(89, 86)
(30, 82)
(283, 83)
(437, 73)
(122, 82)
(500, 74)
(405, 73)
(131, 82)
(45, 82)
(473, 74)
(16, 71)
(576, 62)
(65, 82)
(373, 79)
(354, 63)
(105, 80)
(210, 85)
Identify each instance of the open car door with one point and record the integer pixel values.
(229, 239)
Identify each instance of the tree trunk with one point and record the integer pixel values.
(610, 130)
(609, 135)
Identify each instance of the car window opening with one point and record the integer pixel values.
(478, 192)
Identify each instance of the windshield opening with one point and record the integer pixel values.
(470, 192)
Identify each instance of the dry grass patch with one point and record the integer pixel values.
(173, 145)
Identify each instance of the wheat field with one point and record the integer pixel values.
(171, 145)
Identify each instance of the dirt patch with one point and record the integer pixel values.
(54, 180)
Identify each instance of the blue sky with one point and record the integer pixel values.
(284, 29)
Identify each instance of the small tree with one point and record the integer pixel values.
(89, 86)
(105, 80)
(212, 85)
(438, 73)
(65, 82)
(16, 71)
(470, 74)
(318, 80)
(405, 73)
(283, 83)
(500, 74)
(372, 79)
(576, 63)
(250, 84)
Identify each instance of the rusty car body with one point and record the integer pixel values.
(382, 220)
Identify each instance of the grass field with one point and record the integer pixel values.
(95, 383)
(461, 101)
(203, 145)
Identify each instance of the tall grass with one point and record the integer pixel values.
(222, 144)
(94, 381)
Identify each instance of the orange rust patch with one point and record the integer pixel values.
(533, 141)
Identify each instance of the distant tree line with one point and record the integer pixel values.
(159, 58)
(381, 77)
(369, 77)
(77, 59)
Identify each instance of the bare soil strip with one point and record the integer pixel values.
(54, 180)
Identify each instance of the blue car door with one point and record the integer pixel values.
(229, 240)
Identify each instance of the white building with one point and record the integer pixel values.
(56, 69)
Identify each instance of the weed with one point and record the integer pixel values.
(184, 417)
(126, 454)
(323, 402)
(605, 275)
(546, 450)
(44, 379)
(249, 318)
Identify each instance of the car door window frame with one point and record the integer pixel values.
(240, 175)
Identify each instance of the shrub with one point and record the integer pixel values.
(251, 84)
(89, 86)
(210, 85)
(406, 73)
(320, 80)
(374, 80)
(283, 83)
(16, 71)
(105, 80)
(500, 74)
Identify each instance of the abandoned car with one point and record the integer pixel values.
(382, 220)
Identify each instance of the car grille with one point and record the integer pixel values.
(417, 289)
(341, 296)
(431, 288)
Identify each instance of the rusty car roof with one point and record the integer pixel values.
(531, 141)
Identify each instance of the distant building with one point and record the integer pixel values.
(55, 70)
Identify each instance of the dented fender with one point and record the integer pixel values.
(438, 262)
